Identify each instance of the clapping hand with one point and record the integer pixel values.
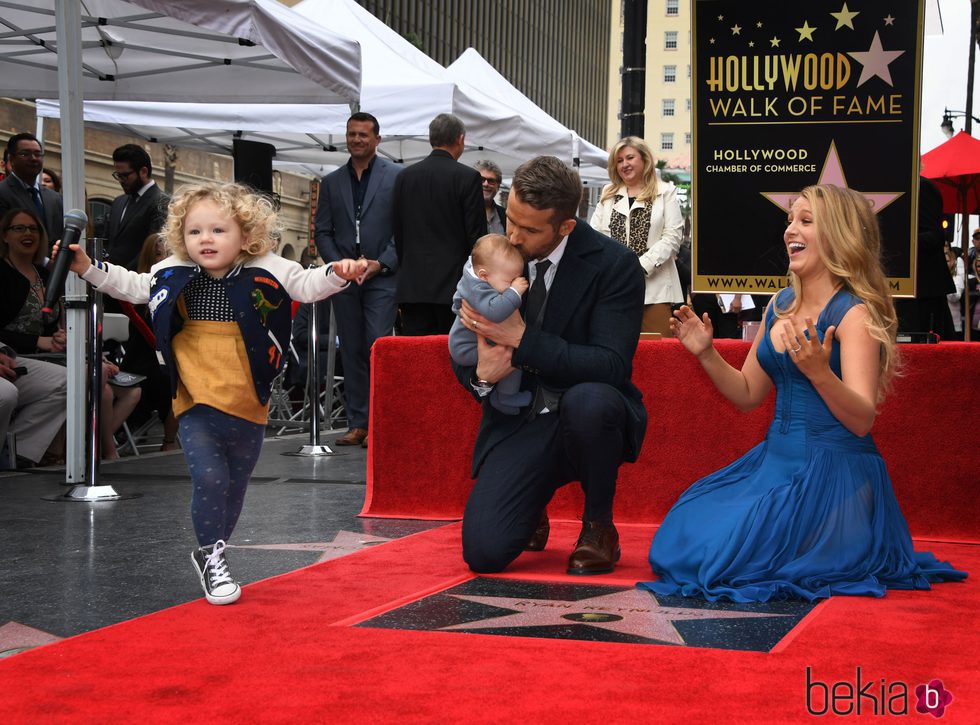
(811, 355)
(694, 333)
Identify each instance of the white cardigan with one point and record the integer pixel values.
(663, 283)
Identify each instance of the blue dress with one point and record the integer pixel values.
(807, 513)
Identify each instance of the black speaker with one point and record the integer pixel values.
(253, 164)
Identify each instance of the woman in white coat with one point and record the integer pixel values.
(642, 212)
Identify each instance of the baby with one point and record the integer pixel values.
(493, 286)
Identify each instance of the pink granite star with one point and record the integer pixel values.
(875, 61)
(345, 542)
(633, 612)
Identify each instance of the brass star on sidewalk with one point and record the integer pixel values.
(875, 61)
(633, 612)
(345, 542)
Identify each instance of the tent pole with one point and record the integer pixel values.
(69, 23)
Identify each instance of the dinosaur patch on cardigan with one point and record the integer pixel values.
(263, 306)
(265, 280)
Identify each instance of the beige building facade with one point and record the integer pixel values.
(668, 119)
(171, 167)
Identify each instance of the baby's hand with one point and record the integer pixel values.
(350, 269)
(521, 285)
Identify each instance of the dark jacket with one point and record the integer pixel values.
(143, 218)
(438, 215)
(14, 195)
(14, 288)
(589, 333)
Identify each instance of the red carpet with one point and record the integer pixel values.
(428, 424)
(280, 655)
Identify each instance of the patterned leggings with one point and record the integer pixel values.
(221, 452)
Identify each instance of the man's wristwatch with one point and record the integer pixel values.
(483, 387)
(383, 269)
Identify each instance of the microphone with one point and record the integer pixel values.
(75, 223)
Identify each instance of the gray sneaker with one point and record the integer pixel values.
(212, 568)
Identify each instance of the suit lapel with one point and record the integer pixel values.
(346, 195)
(573, 277)
(374, 181)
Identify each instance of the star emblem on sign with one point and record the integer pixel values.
(832, 173)
(875, 61)
(633, 612)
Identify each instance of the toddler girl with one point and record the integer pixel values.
(220, 306)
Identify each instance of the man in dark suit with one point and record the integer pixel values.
(141, 210)
(929, 311)
(575, 346)
(492, 177)
(353, 220)
(438, 216)
(21, 189)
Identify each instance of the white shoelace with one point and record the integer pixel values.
(217, 565)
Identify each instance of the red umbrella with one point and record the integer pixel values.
(955, 167)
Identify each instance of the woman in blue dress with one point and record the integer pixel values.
(810, 511)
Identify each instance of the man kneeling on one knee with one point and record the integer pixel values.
(574, 341)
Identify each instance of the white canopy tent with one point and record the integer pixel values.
(402, 86)
(472, 69)
(252, 51)
(153, 50)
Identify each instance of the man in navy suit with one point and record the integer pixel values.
(20, 189)
(574, 343)
(354, 221)
(141, 210)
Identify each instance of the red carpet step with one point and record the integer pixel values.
(424, 423)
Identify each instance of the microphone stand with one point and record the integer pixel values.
(91, 490)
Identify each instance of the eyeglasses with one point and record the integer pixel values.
(492, 182)
(29, 154)
(120, 175)
(24, 228)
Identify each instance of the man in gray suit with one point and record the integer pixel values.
(20, 189)
(354, 220)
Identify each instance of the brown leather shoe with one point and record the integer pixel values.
(353, 437)
(539, 539)
(597, 550)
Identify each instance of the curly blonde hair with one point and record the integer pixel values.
(850, 248)
(649, 192)
(254, 213)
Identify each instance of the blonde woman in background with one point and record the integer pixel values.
(642, 212)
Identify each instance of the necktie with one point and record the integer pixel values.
(36, 195)
(537, 294)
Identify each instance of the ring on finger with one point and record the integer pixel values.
(797, 348)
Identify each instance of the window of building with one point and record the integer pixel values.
(688, 105)
(670, 73)
(673, 8)
(667, 107)
(670, 40)
(687, 138)
(666, 142)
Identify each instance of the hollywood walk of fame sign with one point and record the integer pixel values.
(786, 95)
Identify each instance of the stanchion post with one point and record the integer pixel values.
(91, 490)
(314, 448)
